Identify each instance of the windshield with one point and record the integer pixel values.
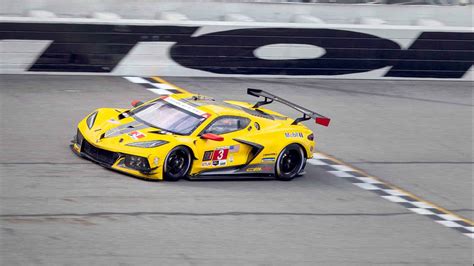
(168, 117)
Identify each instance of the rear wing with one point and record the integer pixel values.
(307, 114)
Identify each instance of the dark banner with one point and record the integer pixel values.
(99, 48)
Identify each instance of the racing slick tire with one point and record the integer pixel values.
(290, 162)
(177, 164)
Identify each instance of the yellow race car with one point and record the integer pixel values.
(189, 135)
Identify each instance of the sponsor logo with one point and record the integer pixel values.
(220, 154)
(136, 135)
(234, 148)
(207, 155)
(254, 169)
(206, 164)
(184, 106)
(113, 121)
(217, 156)
(259, 169)
(293, 135)
(268, 159)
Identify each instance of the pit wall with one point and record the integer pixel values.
(129, 47)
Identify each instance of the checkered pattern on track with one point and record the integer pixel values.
(364, 181)
(154, 85)
(391, 193)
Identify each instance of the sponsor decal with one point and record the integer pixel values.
(293, 135)
(424, 58)
(272, 159)
(253, 169)
(269, 154)
(219, 157)
(184, 106)
(220, 154)
(206, 164)
(259, 169)
(136, 135)
(113, 121)
(234, 148)
(231, 159)
(207, 155)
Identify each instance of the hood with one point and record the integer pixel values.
(124, 130)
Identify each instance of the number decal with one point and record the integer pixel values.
(220, 154)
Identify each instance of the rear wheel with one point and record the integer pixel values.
(177, 163)
(290, 162)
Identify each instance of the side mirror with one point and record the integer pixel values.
(212, 137)
(136, 103)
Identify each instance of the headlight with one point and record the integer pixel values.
(136, 162)
(91, 119)
(148, 144)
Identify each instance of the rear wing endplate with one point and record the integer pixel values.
(307, 114)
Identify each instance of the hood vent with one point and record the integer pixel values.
(124, 129)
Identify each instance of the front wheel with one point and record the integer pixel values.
(177, 164)
(290, 162)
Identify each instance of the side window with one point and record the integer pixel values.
(227, 124)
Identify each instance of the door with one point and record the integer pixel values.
(228, 154)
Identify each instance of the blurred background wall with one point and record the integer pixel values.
(337, 39)
(406, 12)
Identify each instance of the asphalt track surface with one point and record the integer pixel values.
(57, 209)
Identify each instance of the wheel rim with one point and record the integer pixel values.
(290, 161)
(177, 163)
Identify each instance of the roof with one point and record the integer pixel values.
(217, 107)
(211, 105)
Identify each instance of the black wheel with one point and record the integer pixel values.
(177, 164)
(290, 162)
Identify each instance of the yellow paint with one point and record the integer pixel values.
(271, 136)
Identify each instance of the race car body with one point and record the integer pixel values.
(188, 135)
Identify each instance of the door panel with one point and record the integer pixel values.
(229, 153)
(221, 154)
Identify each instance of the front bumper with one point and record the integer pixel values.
(112, 160)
